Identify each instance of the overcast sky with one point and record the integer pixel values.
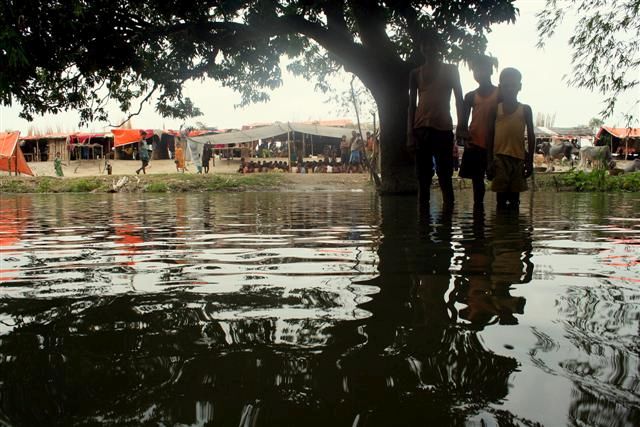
(514, 45)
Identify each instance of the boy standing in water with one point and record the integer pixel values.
(430, 125)
(508, 163)
(482, 102)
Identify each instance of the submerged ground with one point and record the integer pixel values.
(318, 308)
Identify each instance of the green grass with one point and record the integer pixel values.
(83, 185)
(14, 185)
(44, 185)
(599, 181)
(156, 187)
(174, 183)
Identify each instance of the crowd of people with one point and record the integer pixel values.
(354, 155)
(313, 166)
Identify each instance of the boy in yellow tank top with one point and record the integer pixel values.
(482, 102)
(508, 163)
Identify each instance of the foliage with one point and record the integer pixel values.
(84, 185)
(156, 187)
(596, 123)
(157, 183)
(600, 180)
(45, 185)
(80, 55)
(605, 48)
(13, 185)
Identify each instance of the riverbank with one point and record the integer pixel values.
(233, 182)
(179, 183)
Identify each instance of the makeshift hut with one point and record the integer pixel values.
(11, 157)
(622, 141)
(42, 148)
(89, 146)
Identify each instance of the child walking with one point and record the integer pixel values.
(57, 164)
(509, 164)
(482, 103)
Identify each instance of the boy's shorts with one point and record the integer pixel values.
(355, 158)
(474, 162)
(509, 175)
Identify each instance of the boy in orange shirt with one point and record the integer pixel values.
(482, 102)
(508, 163)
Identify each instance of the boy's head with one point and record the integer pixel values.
(510, 82)
(431, 44)
(482, 67)
(58, 154)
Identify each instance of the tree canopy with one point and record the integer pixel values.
(605, 49)
(77, 54)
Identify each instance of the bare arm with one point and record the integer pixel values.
(457, 92)
(413, 97)
(531, 137)
(531, 141)
(466, 110)
(491, 131)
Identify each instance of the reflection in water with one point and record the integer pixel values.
(491, 266)
(316, 309)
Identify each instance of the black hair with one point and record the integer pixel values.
(480, 61)
(511, 72)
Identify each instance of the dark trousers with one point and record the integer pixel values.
(145, 163)
(434, 144)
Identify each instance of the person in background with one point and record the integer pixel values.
(180, 164)
(345, 150)
(509, 164)
(430, 126)
(481, 103)
(355, 160)
(57, 164)
(144, 153)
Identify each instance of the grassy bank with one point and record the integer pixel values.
(579, 181)
(174, 183)
(595, 181)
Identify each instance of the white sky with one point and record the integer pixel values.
(296, 100)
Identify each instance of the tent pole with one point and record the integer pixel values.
(289, 146)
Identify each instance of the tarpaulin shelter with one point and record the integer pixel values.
(129, 136)
(11, 157)
(624, 141)
(84, 144)
(271, 131)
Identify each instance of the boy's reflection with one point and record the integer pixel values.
(414, 343)
(494, 261)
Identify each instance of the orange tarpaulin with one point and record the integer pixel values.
(11, 157)
(620, 132)
(128, 136)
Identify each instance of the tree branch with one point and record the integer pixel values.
(146, 98)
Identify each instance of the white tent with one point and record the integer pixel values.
(271, 131)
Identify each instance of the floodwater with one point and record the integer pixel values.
(318, 309)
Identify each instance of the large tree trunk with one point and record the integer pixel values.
(397, 164)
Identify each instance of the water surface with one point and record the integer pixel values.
(315, 309)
